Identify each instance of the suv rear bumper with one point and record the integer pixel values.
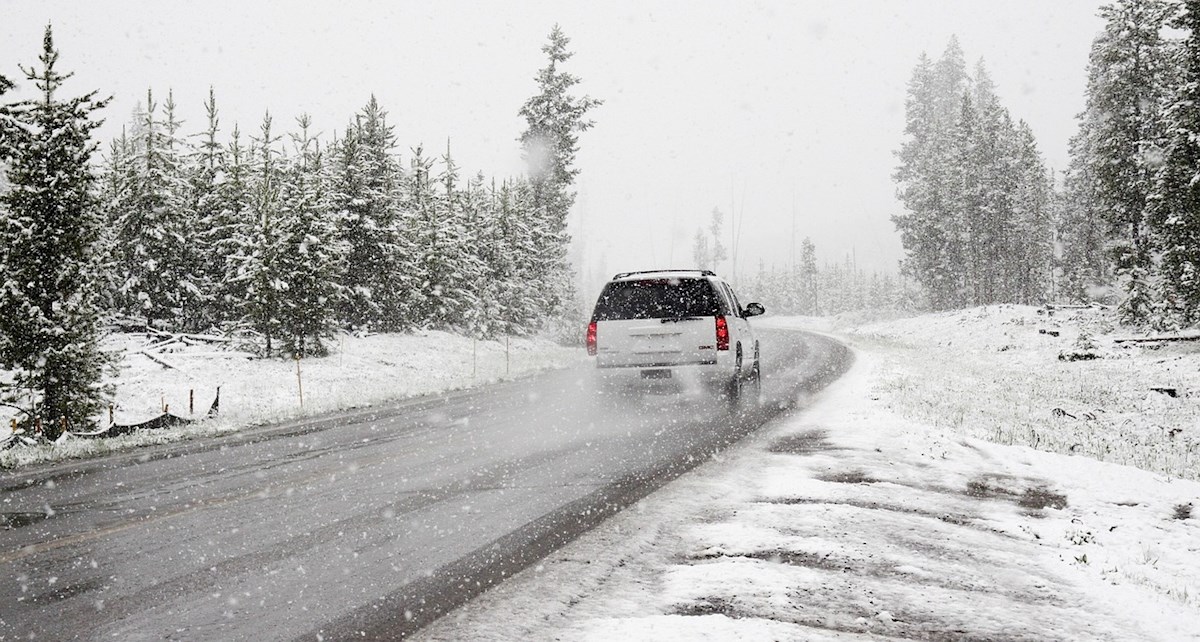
(664, 378)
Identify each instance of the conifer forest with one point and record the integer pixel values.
(269, 232)
(985, 221)
(273, 231)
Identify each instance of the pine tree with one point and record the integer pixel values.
(525, 298)
(1129, 73)
(442, 256)
(996, 257)
(367, 200)
(929, 229)
(478, 215)
(1031, 244)
(449, 259)
(1176, 212)
(554, 119)
(158, 263)
(116, 175)
(975, 227)
(310, 257)
(809, 302)
(965, 224)
(231, 233)
(1081, 231)
(50, 227)
(707, 249)
(507, 250)
(259, 264)
(215, 222)
(7, 124)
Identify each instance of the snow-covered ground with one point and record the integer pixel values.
(361, 371)
(950, 486)
(909, 501)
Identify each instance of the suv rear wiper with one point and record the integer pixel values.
(678, 319)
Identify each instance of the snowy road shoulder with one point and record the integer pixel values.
(362, 371)
(847, 522)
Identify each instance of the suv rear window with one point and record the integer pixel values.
(656, 299)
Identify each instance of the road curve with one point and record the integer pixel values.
(368, 523)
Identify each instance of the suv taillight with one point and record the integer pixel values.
(591, 338)
(722, 333)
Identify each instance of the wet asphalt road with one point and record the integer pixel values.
(360, 524)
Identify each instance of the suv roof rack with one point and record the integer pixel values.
(621, 275)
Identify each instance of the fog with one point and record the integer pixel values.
(782, 114)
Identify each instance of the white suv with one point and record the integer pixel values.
(680, 329)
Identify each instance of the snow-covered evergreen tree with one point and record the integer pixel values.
(965, 225)
(926, 226)
(707, 249)
(975, 192)
(1031, 245)
(524, 300)
(259, 263)
(215, 223)
(367, 200)
(508, 302)
(554, 118)
(1176, 212)
(157, 260)
(50, 228)
(310, 258)
(996, 257)
(809, 302)
(446, 261)
(115, 181)
(231, 231)
(477, 215)
(1081, 231)
(1129, 79)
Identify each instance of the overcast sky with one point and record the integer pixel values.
(783, 111)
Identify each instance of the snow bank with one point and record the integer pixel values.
(995, 372)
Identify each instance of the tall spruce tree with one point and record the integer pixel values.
(995, 259)
(1082, 233)
(310, 257)
(930, 227)
(158, 262)
(1129, 75)
(448, 262)
(1031, 246)
(232, 231)
(366, 193)
(50, 228)
(1176, 212)
(554, 118)
(214, 223)
(259, 263)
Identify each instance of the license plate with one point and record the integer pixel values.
(656, 374)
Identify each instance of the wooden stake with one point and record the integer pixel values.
(299, 381)
(506, 357)
(111, 420)
(192, 401)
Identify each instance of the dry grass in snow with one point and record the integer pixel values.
(995, 373)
